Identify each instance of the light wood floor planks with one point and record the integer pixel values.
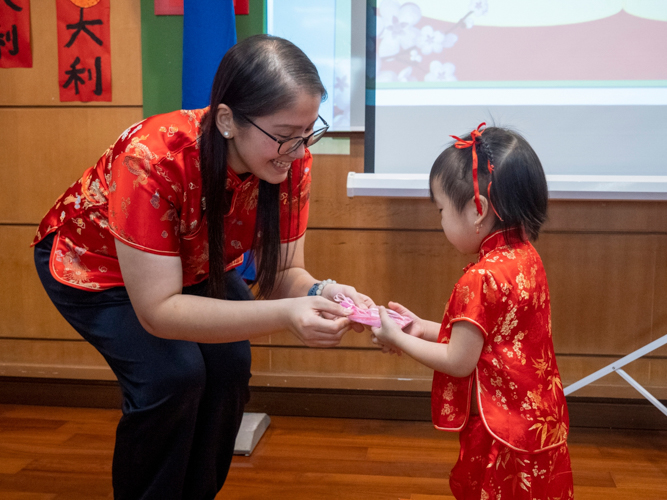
(52, 453)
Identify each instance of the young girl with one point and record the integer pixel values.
(495, 338)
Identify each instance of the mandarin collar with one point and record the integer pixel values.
(491, 242)
(234, 182)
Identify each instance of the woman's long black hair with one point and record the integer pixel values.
(518, 193)
(259, 76)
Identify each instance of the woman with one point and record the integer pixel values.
(140, 255)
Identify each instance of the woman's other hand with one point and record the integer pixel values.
(360, 300)
(318, 322)
(332, 289)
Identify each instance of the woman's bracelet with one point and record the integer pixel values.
(317, 288)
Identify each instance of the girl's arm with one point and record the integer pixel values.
(155, 282)
(458, 358)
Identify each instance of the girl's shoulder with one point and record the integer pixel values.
(509, 255)
(500, 262)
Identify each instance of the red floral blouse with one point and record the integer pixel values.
(519, 390)
(146, 191)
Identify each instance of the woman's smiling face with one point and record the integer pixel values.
(252, 151)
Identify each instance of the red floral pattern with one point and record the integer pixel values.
(489, 470)
(146, 191)
(519, 390)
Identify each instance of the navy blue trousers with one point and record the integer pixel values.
(182, 401)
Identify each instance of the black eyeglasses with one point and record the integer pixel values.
(287, 146)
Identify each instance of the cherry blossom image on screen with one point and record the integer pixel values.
(518, 43)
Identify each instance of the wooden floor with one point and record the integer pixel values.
(49, 453)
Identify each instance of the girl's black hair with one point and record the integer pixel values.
(258, 76)
(518, 192)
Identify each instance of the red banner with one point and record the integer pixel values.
(15, 51)
(84, 51)
(168, 7)
(175, 7)
(242, 7)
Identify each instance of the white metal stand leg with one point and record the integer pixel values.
(616, 367)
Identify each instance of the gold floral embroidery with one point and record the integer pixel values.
(251, 201)
(136, 167)
(74, 271)
(509, 322)
(170, 215)
(466, 294)
(124, 206)
(448, 393)
(551, 429)
(198, 261)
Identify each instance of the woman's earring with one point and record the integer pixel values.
(477, 226)
(226, 134)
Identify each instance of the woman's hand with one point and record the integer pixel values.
(317, 321)
(362, 301)
(332, 289)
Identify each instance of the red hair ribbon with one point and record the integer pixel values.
(461, 144)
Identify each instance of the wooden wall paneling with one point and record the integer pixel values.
(417, 269)
(126, 65)
(650, 373)
(332, 208)
(73, 359)
(592, 314)
(38, 86)
(337, 369)
(369, 369)
(601, 290)
(611, 216)
(657, 375)
(285, 338)
(25, 309)
(47, 149)
(659, 298)
(365, 362)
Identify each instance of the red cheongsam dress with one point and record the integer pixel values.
(146, 191)
(516, 447)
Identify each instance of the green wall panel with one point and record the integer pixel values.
(162, 60)
(162, 53)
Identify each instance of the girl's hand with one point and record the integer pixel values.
(387, 334)
(385, 348)
(318, 322)
(362, 301)
(417, 328)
